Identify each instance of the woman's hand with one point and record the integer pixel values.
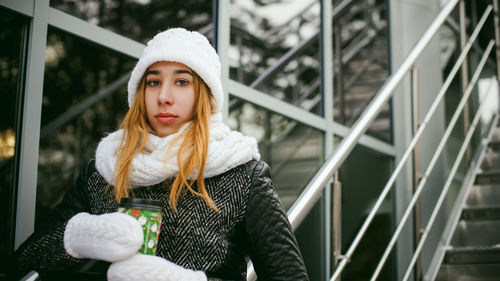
(151, 268)
(109, 237)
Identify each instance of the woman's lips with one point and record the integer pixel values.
(165, 117)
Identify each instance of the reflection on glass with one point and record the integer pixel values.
(293, 150)
(74, 72)
(142, 19)
(11, 40)
(360, 47)
(275, 49)
(363, 176)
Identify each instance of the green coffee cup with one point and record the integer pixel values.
(148, 213)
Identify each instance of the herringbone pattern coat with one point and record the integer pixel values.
(251, 222)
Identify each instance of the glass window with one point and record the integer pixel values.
(71, 127)
(292, 150)
(363, 176)
(275, 49)
(12, 33)
(360, 44)
(142, 19)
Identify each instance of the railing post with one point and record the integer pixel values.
(496, 23)
(337, 221)
(464, 70)
(326, 44)
(416, 167)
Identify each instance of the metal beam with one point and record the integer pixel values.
(30, 131)
(94, 33)
(23, 7)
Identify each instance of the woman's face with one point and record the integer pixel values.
(169, 96)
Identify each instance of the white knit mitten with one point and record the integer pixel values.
(109, 237)
(151, 268)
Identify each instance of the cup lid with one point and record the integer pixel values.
(140, 203)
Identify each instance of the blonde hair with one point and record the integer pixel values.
(192, 154)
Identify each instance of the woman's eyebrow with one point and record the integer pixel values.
(180, 71)
(177, 71)
(152, 72)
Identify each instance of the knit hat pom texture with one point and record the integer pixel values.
(187, 47)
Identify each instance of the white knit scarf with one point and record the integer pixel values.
(226, 149)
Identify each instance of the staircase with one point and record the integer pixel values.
(474, 250)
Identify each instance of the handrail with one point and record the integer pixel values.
(453, 171)
(417, 136)
(430, 166)
(313, 190)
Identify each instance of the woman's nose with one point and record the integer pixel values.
(165, 96)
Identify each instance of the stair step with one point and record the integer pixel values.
(491, 161)
(472, 255)
(469, 272)
(476, 234)
(481, 213)
(488, 177)
(484, 195)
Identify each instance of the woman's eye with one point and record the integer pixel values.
(153, 83)
(182, 82)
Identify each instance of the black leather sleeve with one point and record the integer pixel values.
(44, 249)
(273, 248)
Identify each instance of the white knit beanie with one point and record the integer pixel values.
(187, 47)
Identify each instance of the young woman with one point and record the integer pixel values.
(218, 202)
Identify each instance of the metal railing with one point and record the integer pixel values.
(314, 189)
(365, 36)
